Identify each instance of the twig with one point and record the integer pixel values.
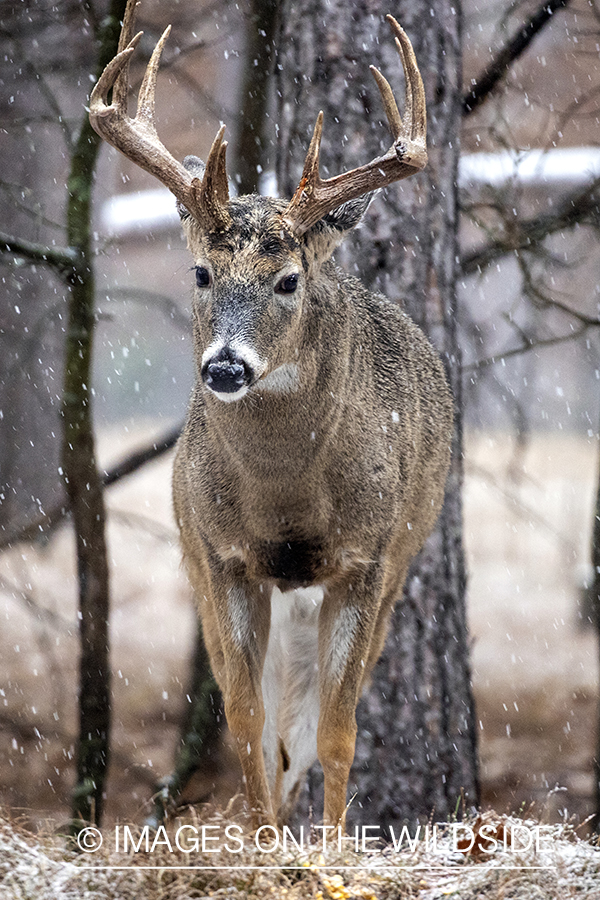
(497, 69)
(47, 93)
(576, 209)
(522, 509)
(563, 307)
(63, 260)
(139, 458)
(127, 466)
(27, 599)
(16, 192)
(529, 344)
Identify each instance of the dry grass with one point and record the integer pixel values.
(43, 868)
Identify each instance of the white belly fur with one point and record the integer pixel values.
(290, 684)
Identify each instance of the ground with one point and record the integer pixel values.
(528, 516)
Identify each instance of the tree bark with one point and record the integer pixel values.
(416, 747)
(252, 146)
(595, 596)
(82, 479)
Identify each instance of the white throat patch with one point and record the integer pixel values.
(283, 380)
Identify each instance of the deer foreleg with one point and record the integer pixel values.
(345, 633)
(243, 618)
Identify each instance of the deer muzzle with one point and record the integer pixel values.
(228, 373)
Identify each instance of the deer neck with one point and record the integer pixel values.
(292, 415)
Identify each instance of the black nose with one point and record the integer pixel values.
(226, 372)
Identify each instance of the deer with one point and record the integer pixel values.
(312, 464)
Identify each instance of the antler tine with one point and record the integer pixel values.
(408, 90)
(121, 86)
(212, 193)
(389, 103)
(221, 183)
(111, 78)
(310, 173)
(314, 198)
(138, 140)
(147, 93)
(415, 112)
(310, 178)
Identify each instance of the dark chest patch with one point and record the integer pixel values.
(293, 561)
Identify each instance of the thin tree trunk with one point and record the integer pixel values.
(82, 480)
(416, 749)
(595, 595)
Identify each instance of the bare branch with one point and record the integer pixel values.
(29, 602)
(17, 193)
(46, 91)
(51, 518)
(580, 208)
(168, 307)
(139, 458)
(528, 344)
(519, 506)
(499, 66)
(590, 321)
(63, 260)
(533, 289)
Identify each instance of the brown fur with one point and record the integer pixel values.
(313, 460)
(336, 483)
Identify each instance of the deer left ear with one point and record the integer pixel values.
(348, 215)
(329, 232)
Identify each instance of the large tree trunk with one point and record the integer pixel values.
(416, 749)
(252, 149)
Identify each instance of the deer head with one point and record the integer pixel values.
(255, 260)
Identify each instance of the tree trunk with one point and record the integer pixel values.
(252, 146)
(595, 597)
(82, 479)
(416, 747)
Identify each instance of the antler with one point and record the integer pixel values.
(206, 200)
(407, 155)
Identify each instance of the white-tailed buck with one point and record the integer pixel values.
(313, 461)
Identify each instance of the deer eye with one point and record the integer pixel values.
(202, 277)
(288, 284)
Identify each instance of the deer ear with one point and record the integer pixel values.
(329, 232)
(348, 215)
(194, 165)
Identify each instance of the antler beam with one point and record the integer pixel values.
(206, 200)
(314, 197)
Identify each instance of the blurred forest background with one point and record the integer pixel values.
(530, 337)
